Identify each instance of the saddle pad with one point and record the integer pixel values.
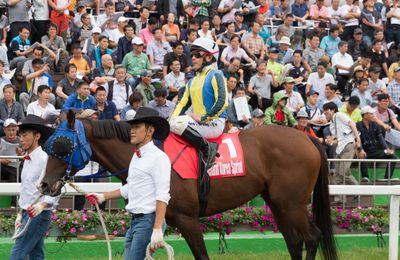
(185, 162)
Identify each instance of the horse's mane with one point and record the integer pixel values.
(110, 129)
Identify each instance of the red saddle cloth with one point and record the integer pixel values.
(185, 162)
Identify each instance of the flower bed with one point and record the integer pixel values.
(69, 223)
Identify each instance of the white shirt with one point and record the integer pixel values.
(119, 95)
(177, 81)
(37, 110)
(340, 128)
(228, 17)
(229, 53)
(318, 84)
(344, 60)
(353, 9)
(31, 175)
(205, 35)
(115, 34)
(148, 180)
(338, 14)
(293, 101)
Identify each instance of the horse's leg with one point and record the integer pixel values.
(312, 241)
(189, 227)
(286, 221)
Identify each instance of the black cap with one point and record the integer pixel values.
(273, 50)
(238, 13)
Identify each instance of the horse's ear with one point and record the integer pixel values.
(71, 119)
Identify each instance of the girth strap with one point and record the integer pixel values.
(203, 182)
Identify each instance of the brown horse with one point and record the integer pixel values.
(282, 165)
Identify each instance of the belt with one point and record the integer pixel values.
(139, 215)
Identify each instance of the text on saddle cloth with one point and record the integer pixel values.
(185, 162)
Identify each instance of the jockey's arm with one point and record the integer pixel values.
(219, 87)
(184, 104)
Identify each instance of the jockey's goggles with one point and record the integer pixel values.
(198, 54)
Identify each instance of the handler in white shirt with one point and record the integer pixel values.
(41, 106)
(148, 185)
(33, 132)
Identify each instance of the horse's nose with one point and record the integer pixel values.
(44, 188)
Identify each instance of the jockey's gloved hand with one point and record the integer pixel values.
(95, 197)
(157, 239)
(34, 210)
(18, 221)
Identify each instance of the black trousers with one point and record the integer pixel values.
(379, 154)
(39, 29)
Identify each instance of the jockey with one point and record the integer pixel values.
(148, 185)
(206, 95)
(33, 131)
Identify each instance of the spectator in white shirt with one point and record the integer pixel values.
(41, 106)
(318, 80)
(376, 85)
(363, 93)
(175, 80)
(157, 48)
(342, 62)
(335, 12)
(118, 32)
(235, 51)
(104, 21)
(294, 101)
(205, 31)
(118, 90)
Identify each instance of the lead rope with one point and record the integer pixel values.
(103, 224)
(168, 248)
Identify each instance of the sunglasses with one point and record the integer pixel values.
(198, 54)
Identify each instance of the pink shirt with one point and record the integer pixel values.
(315, 11)
(146, 36)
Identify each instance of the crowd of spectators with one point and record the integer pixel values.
(326, 68)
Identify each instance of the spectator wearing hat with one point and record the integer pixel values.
(351, 13)
(302, 123)
(106, 108)
(253, 43)
(41, 106)
(33, 133)
(294, 99)
(394, 90)
(92, 42)
(278, 113)
(370, 21)
(161, 104)
(342, 62)
(312, 54)
(357, 46)
(81, 99)
(300, 12)
(118, 32)
(273, 65)
(176, 54)
(287, 26)
(358, 73)
(67, 85)
(375, 84)
(330, 96)
(99, 51)
(175, 80)
(352, 109)
(363, 93)
(157, 49)
(373, 145)
(385, 117)
(261, 87)
(125, 43)
(9, 145)
(118, 90)
(240, 27)
(285, 52)
(135, 101)
(319, 12)
(257, 119)
(318, 80)
(136, 62)
(343, 132)
(331, 42)
(231, 110)
(145, 87)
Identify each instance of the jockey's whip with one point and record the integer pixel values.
(103, 224)
(168, 248)
(17, 232)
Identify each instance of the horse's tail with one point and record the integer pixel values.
(321, 207)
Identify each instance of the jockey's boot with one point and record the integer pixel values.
(207, 149)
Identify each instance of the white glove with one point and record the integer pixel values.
(157, 239)
(35, 210)
(92, 197)
(18, 221)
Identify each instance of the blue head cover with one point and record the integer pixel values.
(70, 146)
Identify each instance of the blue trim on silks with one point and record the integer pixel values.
(81, 153)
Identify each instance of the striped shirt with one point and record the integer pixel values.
(394, 91)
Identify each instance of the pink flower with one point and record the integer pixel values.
(75, 222)
(248, 210)
(202, 228)
(81, 229)
(218, 216)
(69, 215)
(255, 223)
(211, 218)
(54, 217)
(72, 230)
(66, 210)
(64, 222)
(122, 222)
(228, 231)
(366, 220)
(373, 228)
(227, 222)
(115, 232)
